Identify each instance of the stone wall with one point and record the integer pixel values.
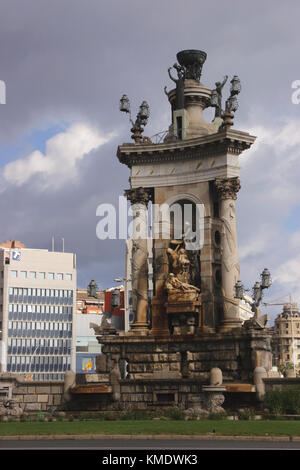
(151, 357)
(154, 394)
(32, 396)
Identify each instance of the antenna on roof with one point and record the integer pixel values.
(63, 245)
(52, 243)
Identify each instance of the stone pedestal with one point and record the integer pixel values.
(183, 310)
(214, 398)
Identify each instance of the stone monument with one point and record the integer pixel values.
(195, 326)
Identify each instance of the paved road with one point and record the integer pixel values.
(147, 444)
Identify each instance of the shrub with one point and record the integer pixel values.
(174, 413)
(135, 415)
(283, 400)
(245, 414)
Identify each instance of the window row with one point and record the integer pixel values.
(38, 363)
(27, 292)
(37, 316)
(41, 296)
(39, 347)
(40, 275)
(39, 329)
(39, 308)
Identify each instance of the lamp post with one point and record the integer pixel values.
(141, 118)
(231, 104)
(258, 288)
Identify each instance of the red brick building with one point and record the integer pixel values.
(90, 300)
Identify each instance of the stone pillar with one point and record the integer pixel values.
(227, 189)
(139, 199)
(161, 232)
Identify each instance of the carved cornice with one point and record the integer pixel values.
(139, 195)
(227, 188)
(228, 141)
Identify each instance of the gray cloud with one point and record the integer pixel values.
(69, 60)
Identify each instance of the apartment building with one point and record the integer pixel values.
(286, 337)
(37, 303)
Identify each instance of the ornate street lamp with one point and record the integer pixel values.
(235, 87)
(125, 104)
(141, 118)
(239, 290)
(144, 113)
(258, 288)
(266, 279)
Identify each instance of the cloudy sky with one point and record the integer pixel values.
(66, 63)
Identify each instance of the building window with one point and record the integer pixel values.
(59, 276)
(23, 274)
(32, 274)
(13, 274)
(41, 275)
(51, 276)
(68, 277)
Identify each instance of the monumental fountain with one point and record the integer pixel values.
(194, 351)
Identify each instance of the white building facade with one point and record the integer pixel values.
(37, 306)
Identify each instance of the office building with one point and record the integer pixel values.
(37, 301)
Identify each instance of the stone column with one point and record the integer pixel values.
(227, 189)
(139, 199)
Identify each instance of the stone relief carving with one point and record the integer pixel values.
(139, 276)
(10, 407)
(180, 263)
(174, 284)
(106, 328)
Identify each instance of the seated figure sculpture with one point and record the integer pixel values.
(174, 284)
(183, 298)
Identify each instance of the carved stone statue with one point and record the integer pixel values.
(174, 284)
(180, 263)
(227, 189)
(183, 298)
(139, 198)
(179, 85)
(216, 97)
(10, 407)
(105, 328)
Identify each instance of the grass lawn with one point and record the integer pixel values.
(150, 427)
